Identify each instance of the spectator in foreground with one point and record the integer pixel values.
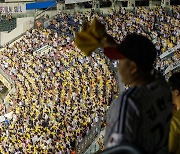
(174, 136)
(141, 115)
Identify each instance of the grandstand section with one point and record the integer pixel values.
(54, 99)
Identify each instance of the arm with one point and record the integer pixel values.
(93, 36)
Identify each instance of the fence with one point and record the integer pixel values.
(89, 138)
(169, 52)
(8, 82)
(172, 67)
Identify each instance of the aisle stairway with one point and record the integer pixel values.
(94, 147)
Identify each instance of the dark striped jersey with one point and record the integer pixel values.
(141, 115)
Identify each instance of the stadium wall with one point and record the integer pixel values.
(23, 24)
(4, 80)
(14, 7)
(72, 11)
(10, 1)
(40, 5)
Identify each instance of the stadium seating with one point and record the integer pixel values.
(7, 25)
(61, 94)
(52, 86)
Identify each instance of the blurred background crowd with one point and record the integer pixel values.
(60, 93)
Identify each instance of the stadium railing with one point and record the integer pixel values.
(169, 53)
(42, 13)
(172, 67)
(88, 139)
(23, 15)
(9, 81)
(95, 146)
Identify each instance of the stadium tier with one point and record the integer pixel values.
(60, 96)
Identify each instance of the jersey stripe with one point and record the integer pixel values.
(122, 109)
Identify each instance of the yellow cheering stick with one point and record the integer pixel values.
(92, 37)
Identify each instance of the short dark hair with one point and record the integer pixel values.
(174, 81)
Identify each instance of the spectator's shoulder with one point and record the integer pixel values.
(132, 93)
(176, 115)
(175, 122)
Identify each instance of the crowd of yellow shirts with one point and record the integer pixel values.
(62, 95)
(59, 94)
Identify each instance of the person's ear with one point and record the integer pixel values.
(177, 92)
(133, 67)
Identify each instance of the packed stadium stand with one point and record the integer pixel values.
(59, 98)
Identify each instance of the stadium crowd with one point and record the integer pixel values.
(5, 17)
(61, 94)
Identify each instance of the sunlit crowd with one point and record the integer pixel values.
(60, 93)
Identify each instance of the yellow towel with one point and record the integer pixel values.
(90, 37)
